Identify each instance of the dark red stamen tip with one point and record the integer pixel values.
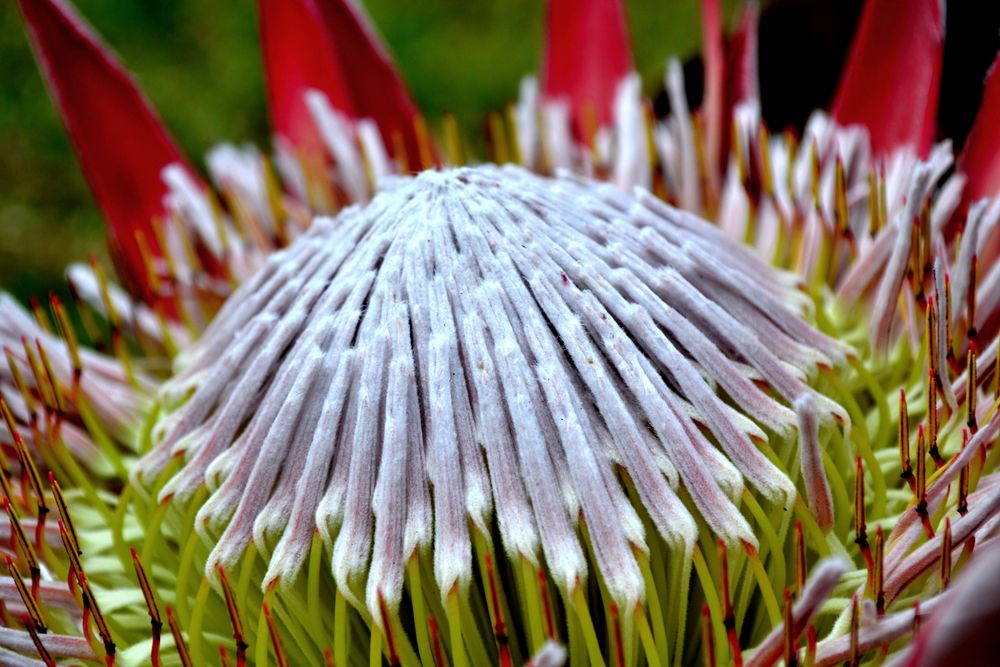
(543, 587)
(707, 640)
(946, 554)
(179, 643)
(390, 641)
(43, 652)
(791, 636)
(860, 526)
(272, 631)
(156, 624)
(616, 634)
(437, 648)
(234, 618)
(499, 627)
(800, 558)
(728, 616)
(878, 587)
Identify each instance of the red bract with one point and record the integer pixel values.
(741, 60)
(587, 54)
(730, 76)
(714, 57)
(120, 142)
(891, 81)
(980, 159)
(294, 65)
(328, 45)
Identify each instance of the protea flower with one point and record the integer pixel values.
(655, 392)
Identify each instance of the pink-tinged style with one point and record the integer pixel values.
(817, 590)
(587, 54)
(891, 82)
(980, 159)
(121, 143)
(962, 629)
(329, 46)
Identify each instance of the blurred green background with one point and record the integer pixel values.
(199, 62)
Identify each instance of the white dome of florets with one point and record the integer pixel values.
(485, 342)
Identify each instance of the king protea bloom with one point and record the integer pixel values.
(638, 391)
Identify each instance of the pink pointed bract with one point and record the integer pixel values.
(979, 161)
(587, 55)
(330, 46)
(296, 64)
(122, 145)
(741, 62)
(891, 81)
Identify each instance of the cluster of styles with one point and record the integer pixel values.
(636, 391)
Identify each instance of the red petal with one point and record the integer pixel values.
(120, 142)
(329, 45)
(980, 159)
(587, 54)
(891, 81)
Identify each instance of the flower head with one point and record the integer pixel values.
(545, 326)
(480, 415)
